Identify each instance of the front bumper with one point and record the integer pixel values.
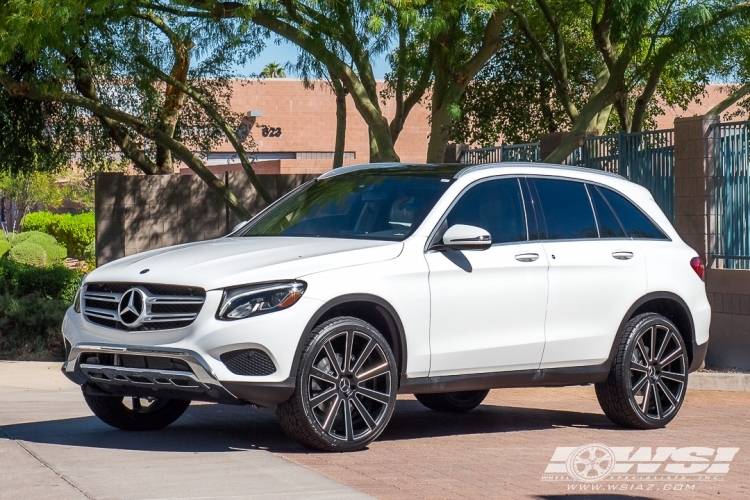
(199, 348)
(101, 369)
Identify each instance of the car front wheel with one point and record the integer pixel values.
(648, 379)
(346, 387)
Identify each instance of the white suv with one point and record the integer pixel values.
(442, 281)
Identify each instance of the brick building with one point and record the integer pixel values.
(295, 128)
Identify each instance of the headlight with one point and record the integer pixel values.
(252, 300)
(77, 300)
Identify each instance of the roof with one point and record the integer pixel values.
(455, 170)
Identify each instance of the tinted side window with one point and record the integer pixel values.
(609, 226)
(567, 209)
(635, 223)
(495, 206)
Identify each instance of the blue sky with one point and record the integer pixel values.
(287, 52)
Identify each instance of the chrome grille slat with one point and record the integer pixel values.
(155, 318)
(172, 311)
(175, 300)
(100, 313)
(114, 297)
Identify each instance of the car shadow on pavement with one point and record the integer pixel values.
(219, 428)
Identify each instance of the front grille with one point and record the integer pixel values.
(165, 307)
(250, 362)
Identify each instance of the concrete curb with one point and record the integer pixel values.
(704, 381)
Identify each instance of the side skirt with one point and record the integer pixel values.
(551, 377)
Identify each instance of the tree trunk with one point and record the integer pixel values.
(374, 151)
(338, 152)
(440, 119)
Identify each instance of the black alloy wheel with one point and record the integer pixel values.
(346, 387)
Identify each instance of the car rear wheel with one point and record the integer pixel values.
(134, 413)
(454, 402)
(647, 383)
(346, 387)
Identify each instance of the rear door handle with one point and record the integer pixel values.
(622, 255)
(527, 257)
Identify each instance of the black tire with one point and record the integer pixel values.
(647, 383)
(355, 400)
(453, 402)
(155, 415)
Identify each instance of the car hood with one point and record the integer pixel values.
(237, 261)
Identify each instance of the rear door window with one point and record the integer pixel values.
(633, 220)
(567, 209)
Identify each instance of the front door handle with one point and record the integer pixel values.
(527, 257)
(622, 255)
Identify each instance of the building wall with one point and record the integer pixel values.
(139, 213)
(307, 122)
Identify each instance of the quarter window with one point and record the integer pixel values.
(609, 226)
(496, 206)
(567, 209)
(635, 223)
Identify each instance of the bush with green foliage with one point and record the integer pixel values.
(30, 327)
(54, 282)
(39, 221)
(54, 252)
(76, 232)
(4, 248)
(89, 254)
(28, 253)
(33, 301)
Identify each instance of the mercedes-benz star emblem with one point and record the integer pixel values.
(132, 308)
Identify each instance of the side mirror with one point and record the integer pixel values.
(238, 226)
(461, 237)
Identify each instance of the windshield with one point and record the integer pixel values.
(378, 204)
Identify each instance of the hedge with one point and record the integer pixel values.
(51, 282)
(76, 232)
(4, 248)
(28, 253)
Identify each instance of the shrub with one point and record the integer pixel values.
(76, 232)
(52, 282)
(39, 221)
(30, 326)
(18, 238)
(89, 254)
(55, 252)
(4, 248)
(29, 253)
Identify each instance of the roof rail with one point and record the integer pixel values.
(475, 168)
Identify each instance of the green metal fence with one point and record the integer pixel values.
(731, 142)
(646, 158)
(506, 152)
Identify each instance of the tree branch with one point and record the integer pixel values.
(730, 99)
(218, 119)
(183, 153)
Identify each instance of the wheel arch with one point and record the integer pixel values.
(370, 308)
(669, 305)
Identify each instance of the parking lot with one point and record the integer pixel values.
(52, 447)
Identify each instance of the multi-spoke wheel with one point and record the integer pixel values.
(345, 388)
(134, 413)
(648, 380)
